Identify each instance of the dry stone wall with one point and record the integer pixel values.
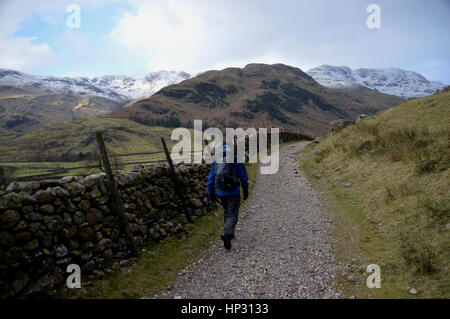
(47, 225)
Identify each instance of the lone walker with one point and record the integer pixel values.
(226, 178)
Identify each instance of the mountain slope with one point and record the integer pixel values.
(395, 81)
(28, 101)
(258, 95)
(75, 140)
(388, 181)
(22, 110)
(119, 88)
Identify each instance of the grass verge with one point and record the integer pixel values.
(387, 184)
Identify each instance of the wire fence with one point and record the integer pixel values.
(55, 170)
(25, 170)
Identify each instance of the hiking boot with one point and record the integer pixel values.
(226, 241)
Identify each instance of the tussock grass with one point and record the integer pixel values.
(403, 143)
(436, 209)
(420, 253)
(396, 211)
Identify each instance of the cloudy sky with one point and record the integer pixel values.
(136, 36)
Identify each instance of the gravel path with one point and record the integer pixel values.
(281, 248)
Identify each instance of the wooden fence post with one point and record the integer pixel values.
(116, 197)
(175, 179)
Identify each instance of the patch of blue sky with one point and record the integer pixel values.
(72, 47)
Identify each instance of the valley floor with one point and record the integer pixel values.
(282, 247)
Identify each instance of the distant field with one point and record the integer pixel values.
(66, 148)
(77, 139)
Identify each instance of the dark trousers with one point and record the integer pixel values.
(230, 215)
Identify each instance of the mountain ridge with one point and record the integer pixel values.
(120, 88)
(394, 81)
(256, 96)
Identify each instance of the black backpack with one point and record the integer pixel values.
(225, 177)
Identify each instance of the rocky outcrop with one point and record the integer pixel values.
(338, 125)
(46, 226)
(361, 117)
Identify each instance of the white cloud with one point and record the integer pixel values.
(22, 54)
(19, 53)
(193, 35)
(168, 40)
(197, 35)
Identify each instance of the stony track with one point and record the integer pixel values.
(281, 250)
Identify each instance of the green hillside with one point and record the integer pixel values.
(77, 139)
(22, 111)
(388, 183)
(58, 147)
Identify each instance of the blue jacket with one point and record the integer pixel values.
(240, 172)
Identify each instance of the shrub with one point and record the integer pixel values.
(419, 253)
(429, 164)
(366, 145)
(436, 209)
(421, 143)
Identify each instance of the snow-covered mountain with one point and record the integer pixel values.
(119, 88)
(123, 88)
(394, 81)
